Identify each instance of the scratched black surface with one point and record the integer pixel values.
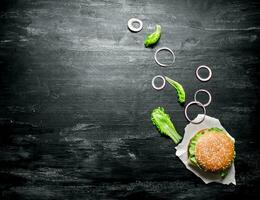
(75, 96)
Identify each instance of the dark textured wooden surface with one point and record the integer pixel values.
(75, 96)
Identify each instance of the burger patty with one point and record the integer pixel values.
(214, 151)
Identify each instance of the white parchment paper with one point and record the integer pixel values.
(182, 153)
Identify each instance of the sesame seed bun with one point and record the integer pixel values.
(214, 150)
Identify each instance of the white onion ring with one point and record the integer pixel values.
(163, 84)
(131, 27)
(166, 49)
(199, 77)
(199, 104)
(205, 91)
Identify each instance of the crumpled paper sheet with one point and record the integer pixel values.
(182, 153)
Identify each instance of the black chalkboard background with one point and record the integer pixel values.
(76, 96)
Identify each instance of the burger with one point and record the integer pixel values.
(212, 150)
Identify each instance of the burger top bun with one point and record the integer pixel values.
(214, 151)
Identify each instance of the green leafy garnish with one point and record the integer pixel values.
(223, 173)
(179, 89)
(154, 37)
(215, 129)
(191, 149)
(163, 122)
